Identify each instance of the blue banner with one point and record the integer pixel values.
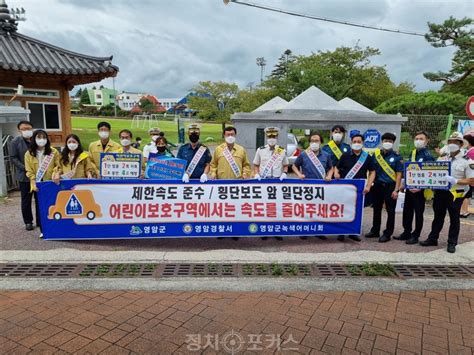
(163, 168)
(98, 209)
(427, 175)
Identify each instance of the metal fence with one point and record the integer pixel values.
(10, 169)
(437, 127)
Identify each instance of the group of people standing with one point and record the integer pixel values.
(36, 160)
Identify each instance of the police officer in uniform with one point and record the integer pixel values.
(388, 176)
(451, 200)
(336, 147)
(414, 205)
(270, 161)
(196, 154)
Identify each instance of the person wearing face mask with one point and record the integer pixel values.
(197, 155)
(314, 163)
(41, 164)
(162, 147)
(154, 133)
(75, 163)
(125, 138)
(230, 160)
(103, 145)
(414, 205)
(18, 147)
(451, 200)
(356, 164)
(469, 137)
(388, 176)
(270, 161)
(336, 147)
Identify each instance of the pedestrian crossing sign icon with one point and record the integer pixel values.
(73, 206)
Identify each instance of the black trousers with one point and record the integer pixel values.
(414, 207)
(382, 193)
(26, 197)
(442, 203)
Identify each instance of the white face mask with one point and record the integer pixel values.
(154, 138)
(271, 141)
(41, 142)
(314, 146)
(452, 147)
(230, 139)
(337, 137)
(419, 143)
(103, 134)
(387, 145)
(27, 134)
(356, 146)
(125, 142)
(72, 146)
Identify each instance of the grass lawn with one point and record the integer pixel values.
(86, 129)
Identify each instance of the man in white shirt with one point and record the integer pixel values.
(154, 133)
(451, 200)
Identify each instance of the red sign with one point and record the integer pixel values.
(470, 107)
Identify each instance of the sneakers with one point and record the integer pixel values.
(372, 235)
(451, 248)
(41, 235)
(429, 243)
(384, 238)
(404, 236)
(29, 227)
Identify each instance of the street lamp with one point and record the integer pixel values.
(261, 62)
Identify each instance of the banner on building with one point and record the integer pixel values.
(427, 175)
(120, 165)
(98, 209)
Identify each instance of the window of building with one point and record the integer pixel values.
(45, 115)
(30, 92)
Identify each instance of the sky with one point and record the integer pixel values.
(165, 47)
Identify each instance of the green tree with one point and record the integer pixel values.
(426, 103)
(78, 93)
(464, 87)
(214, 100)
(459, 34)
(282, 67)
(85, 99)
(249, 100)
(344, 72)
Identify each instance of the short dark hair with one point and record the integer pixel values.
(24, 122)
(342, 129)
(470, 139)
(423, 133)
(161, 139)
(316, 134)
(229, 128)
(104, 124)
(126, 131)
(389, 136)
(357, 135)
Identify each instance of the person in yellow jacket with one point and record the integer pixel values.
(230, 160)
(103, 145)
(41, 164)
(75, 163)
(125, 137)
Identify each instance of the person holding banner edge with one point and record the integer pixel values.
(451, 200)
(74, 162)
(356, 164)
(388, 176)
(196, 154)
(414, 205)
(125, 138)
(103, 145)
(336, 147)
(41, 164)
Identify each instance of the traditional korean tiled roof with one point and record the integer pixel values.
(22, 53)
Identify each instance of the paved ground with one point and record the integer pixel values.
(14, 237)
(116, 322)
